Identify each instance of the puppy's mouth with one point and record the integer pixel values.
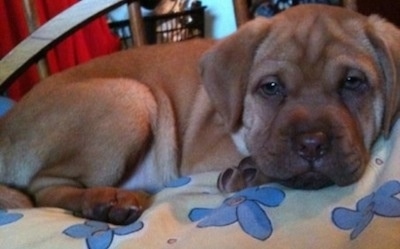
(310, 180)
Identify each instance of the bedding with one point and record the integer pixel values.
(190, 212)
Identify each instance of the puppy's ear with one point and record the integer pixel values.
(385, 37)
(224, 69)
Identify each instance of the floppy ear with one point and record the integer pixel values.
(224, 69)
(385, 37)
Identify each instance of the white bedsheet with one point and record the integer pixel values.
(192, 213)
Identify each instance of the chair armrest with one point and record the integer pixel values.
(34, 47)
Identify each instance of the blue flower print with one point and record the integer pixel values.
(179, 182)
(383, 203)
(7, 218)
(245, 207)
(99, 235)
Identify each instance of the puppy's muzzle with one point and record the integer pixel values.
(311, 146)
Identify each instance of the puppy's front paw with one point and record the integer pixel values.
(234, 179)
(113, 205)
(244, 175)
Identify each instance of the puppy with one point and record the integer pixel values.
(302, 96)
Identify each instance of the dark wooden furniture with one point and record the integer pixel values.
(242, 14)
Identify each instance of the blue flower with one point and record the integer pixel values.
(383, 203)
(7, 218)
(245, 208)
(179, 182)
(99, 235)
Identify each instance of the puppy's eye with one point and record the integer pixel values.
(354, 81)
(271, 87)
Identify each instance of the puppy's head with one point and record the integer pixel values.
(307, 93)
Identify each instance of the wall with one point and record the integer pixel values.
(220, 18)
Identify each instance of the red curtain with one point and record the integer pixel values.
(91, 41)
(14, 29)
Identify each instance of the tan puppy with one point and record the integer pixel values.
(304, 95)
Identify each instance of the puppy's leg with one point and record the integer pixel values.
(81, 179)
(11, 198)
(107, 204)
(80, 141)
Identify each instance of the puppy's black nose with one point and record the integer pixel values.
(312, 146)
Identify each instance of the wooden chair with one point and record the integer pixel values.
(242, 13)
(35, 46)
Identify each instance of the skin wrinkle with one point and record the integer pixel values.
(310, 48)
(330, 64)
(345, 43)
(282, 66)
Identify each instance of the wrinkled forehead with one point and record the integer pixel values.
(317, 41)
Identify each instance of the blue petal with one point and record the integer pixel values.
(390, 188)
(366, 204)
(125, 230)
(222, 216)
(362, 225)
(268, 196)
(179, 182)
(79, 231)
(254, 221)
(388, 208)
(346, 219)
(6, 218)
(197, 214)
(385, 202)
(100, 240)
(98, 225)
(247, 192)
